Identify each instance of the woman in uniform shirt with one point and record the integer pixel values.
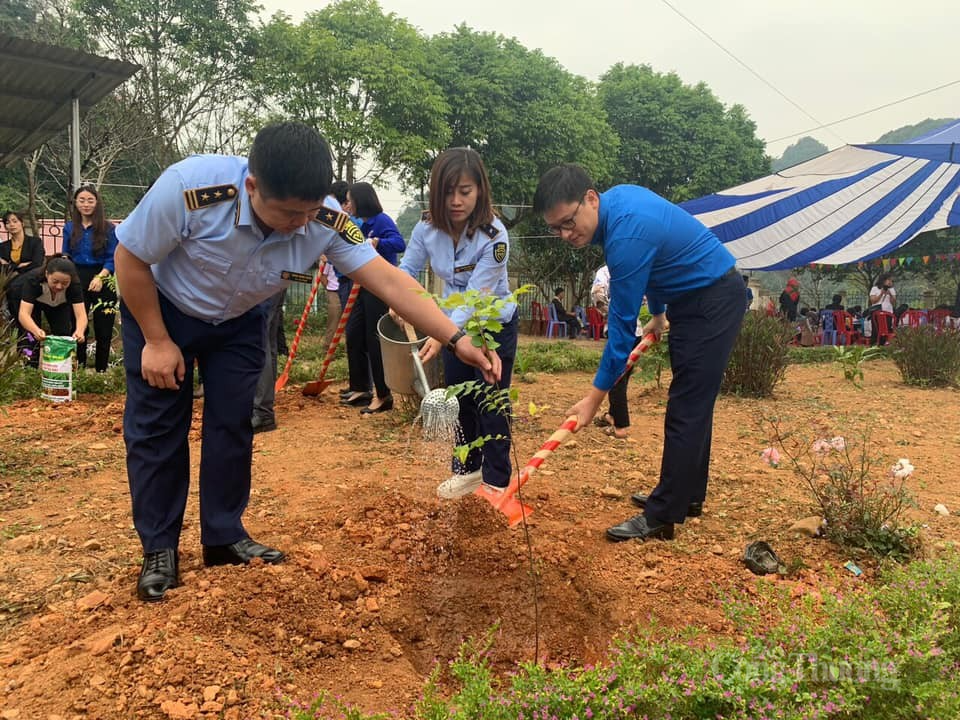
(467, 247)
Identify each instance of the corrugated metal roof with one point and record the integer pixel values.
(37, 84)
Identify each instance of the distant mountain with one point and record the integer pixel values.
(909, 132)
(806, 148)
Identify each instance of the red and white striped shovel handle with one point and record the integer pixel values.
(335, 340)
(569, 426)
(285, 375)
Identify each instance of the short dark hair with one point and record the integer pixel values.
(557, 291)
(448, 168)
(291, 160)
(837, 299)
(339, 190)
(63, 264)
(20, 216)
(563, 184)
(366, 204)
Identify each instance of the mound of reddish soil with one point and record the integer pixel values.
(384, 580)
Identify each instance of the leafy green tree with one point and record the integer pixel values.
(359, 76)
(678, 140)
(806, 148)
(195, 57)
(521, 110)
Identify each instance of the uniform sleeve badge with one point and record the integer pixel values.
(500, 251)
(198, 198)
(342, 223)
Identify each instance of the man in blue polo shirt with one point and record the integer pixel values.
(653, 247)
(212, 239)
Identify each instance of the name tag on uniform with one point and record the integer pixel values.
(296, 276)
(464, 268)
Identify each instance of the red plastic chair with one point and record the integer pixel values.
(883, 324)
(938, 318)
(537, 326)
(914, 318)
(846, 333)
(594, 322)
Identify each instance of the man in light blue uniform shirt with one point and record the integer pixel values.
(654, 247)
(212, 239)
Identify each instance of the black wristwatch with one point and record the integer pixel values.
(452, 342)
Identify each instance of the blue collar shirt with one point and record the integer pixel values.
(476, 263)
(651, 247)
(82, 253)
(213, 261)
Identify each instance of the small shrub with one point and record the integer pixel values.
(17, 381)
(759, 358)
(926, 357)
(850, 358)
(862, 506)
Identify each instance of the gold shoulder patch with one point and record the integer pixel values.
(489, 230)
(206, 196)
(425, 217)
(500, 251)
(342, 223)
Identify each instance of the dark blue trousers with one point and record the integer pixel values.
(704, 325)
(494, 456)
(156, 423)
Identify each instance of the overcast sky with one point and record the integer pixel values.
(833, 58)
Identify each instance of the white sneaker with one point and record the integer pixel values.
(459, 485)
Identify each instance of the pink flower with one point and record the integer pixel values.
(838, 444)
(771, 456)
(822, 447)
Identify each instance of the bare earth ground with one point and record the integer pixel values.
(383, 579)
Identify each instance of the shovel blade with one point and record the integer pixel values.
(506, 503)
(315, 387)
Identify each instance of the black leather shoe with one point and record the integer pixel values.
(640, 527)
(266, 426)
(240, 553)
(357, 399)
(694, 509)
(385, 404)
(157, 574)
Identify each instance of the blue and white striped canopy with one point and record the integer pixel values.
(855, 203)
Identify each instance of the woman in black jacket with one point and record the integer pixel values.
(19, 254)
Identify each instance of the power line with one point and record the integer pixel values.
(747, 67)
(867, 112)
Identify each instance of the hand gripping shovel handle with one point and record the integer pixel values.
(317, 386)
(285, 375)
(506, 501)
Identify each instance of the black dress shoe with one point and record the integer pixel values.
(385, 404)
(157, 574)
(357, 399)
(240, 553)
(694, 509)
(640, 527)
(266, 426)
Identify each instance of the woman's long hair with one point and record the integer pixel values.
(448, 168)
(101, 226)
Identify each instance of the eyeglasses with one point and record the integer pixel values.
(569, 224)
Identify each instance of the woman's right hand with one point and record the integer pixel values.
(162, 365)
(40, 334)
